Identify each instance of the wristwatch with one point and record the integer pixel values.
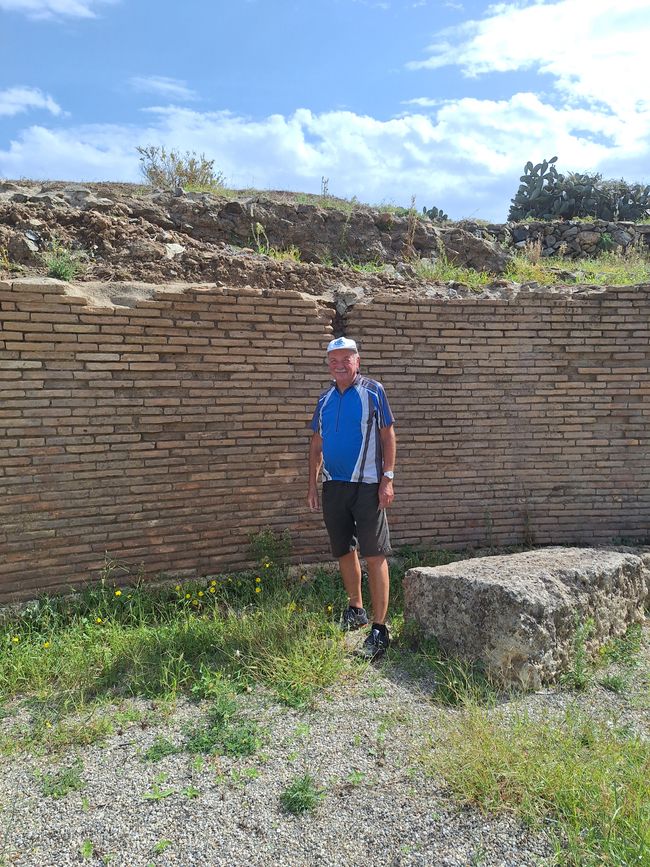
(389, 474)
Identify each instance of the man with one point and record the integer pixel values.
(354, 441)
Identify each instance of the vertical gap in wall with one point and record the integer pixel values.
(340, 317)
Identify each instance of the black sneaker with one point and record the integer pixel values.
(353, 618)
(375, 644)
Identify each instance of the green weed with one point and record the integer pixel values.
(60, 783)
(441, 270)
(624, 650)
(157, 792)
(87, 849)
(160, 748)
(456, 682)
(617, 683)
(61, 263)
(160, 846)
(225, 732)
(579, 674)
(301, 795)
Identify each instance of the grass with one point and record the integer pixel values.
(301, 795)
(61, 263)
(586, 782)
(608, 269)
(111, 642)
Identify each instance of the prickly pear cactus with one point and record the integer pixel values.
(545, 194)
(436, 214)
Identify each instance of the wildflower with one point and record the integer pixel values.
(258, 589)
(98, 620)
(177, 588)
(329, 609)
(118, 592)
(258, 580)
(46, 644)
(238, 653)
(213, 583)
(48, 724)
(212, 590)
(291, 607)
(303, 577)
(129, 595)
(267, 565)
(15, 639)
(188, 595)
(201, 593)
(195, 602)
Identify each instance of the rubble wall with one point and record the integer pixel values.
(166, 432)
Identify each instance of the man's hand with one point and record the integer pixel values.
(386, 493)
(312, 499)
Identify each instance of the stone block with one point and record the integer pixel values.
(517, 614)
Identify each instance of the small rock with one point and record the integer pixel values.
(172, 250)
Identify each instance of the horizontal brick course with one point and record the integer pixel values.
(168, 432)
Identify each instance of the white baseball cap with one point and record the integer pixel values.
(342, 343)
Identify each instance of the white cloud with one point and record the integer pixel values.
(170, 88)
(466, 158)
(596, 50)
(53, 8)
(423, 102)
(15, 100)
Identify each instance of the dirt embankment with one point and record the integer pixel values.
(122, 232)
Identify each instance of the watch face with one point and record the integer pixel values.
(389, 474)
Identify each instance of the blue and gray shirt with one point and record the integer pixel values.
(349, 424)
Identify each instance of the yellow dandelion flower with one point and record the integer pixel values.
(118, 592)
(98, 620)
(15, 639)
(303, 577)
(48, 724)
(258, 589)
(213, 583)
(213, 589)
(329, 609)
(177, 588)
(267, 565)
(258, 580)
(46, 644)
(188, 595)
(201, 593)
(195, 602)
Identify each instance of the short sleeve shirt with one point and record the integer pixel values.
(349, 424)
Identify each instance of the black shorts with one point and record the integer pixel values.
(353, 517)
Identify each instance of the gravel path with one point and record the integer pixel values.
(360, 743)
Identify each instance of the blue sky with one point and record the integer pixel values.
(388, 99)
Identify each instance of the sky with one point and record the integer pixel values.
(385, 99)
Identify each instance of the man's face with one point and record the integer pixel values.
(343, 366)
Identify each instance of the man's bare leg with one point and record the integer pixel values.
(378, 578)
(351, 573)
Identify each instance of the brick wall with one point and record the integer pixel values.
(167, 432)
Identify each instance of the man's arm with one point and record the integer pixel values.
(315, 461)
(388, 451)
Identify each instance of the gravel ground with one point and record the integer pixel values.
(360, 743)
